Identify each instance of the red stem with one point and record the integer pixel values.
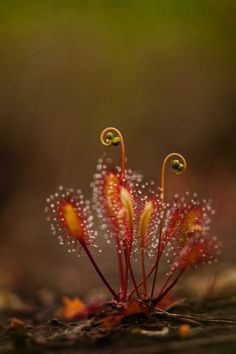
(143, 272)
(99, 272)
(134, 281)
(129, 269)
(127, 253)
(120, 265)
(156, 266)
(127, 261)
(164, 293)
(165, 283)
(141, 282)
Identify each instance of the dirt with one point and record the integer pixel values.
(199, 327)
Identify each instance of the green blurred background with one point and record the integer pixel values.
(161, 71)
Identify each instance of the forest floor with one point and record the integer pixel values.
(198, 327)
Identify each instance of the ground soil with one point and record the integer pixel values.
(200, 327)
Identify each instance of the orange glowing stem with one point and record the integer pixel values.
(111, 141)
(163, 172)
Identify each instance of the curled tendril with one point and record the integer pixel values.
(112, 136)
(179, 164)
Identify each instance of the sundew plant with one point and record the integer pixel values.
(135, 219)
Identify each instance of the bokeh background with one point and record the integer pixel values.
(163, 72)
